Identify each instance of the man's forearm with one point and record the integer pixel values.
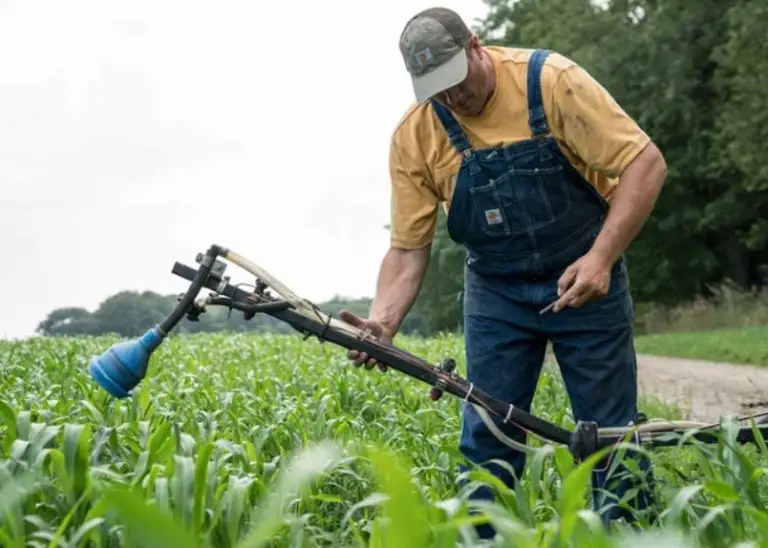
(400, 277)
(639, 187)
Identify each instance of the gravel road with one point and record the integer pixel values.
(707, 390)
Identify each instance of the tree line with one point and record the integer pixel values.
(131, 313)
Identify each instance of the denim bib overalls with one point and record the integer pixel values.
(524, 214)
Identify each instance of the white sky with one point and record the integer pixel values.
(135, 134)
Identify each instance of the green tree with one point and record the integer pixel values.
(131, 313)
(740, 134)
(65, 321)
(438, 307)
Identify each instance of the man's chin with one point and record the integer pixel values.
(465, 110)
(469, 110)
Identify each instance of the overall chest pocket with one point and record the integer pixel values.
(522, 200)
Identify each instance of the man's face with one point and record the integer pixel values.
(470, 96)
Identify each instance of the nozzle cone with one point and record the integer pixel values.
(124, 365)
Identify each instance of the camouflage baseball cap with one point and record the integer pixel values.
(433, 44)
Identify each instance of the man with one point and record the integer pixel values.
(527, 151)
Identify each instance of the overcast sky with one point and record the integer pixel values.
(135, 134)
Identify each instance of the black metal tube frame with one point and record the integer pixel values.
(584, 440)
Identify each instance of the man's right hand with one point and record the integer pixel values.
(376, 330)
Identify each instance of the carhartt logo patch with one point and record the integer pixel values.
(423, 57)
(493, 216)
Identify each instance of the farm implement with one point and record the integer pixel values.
(123, 366)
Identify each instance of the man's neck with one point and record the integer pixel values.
(490, 76)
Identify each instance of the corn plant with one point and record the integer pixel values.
(261, 440)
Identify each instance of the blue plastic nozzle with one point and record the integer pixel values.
(124, 365)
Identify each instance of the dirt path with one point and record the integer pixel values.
(706, 390)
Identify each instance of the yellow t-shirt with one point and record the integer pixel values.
(593, 132)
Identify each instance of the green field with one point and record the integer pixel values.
(746, 345)
(203, 455)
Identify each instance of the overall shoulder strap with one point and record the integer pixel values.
(452, 128)
(537, 118)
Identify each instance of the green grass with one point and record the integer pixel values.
(746, 345)
(725, 308)
(259, 440)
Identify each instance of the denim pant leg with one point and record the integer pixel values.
(595, 350)
(504, 355)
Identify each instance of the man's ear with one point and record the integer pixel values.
(474, 47)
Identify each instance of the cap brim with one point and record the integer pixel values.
(443, 77)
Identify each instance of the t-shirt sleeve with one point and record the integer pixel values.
(592, 123)
(414, 203)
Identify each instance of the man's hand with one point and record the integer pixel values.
(639, 186)
(400, 277)
(376, 329)
(589, 278)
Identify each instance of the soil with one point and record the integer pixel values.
(705, 390)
